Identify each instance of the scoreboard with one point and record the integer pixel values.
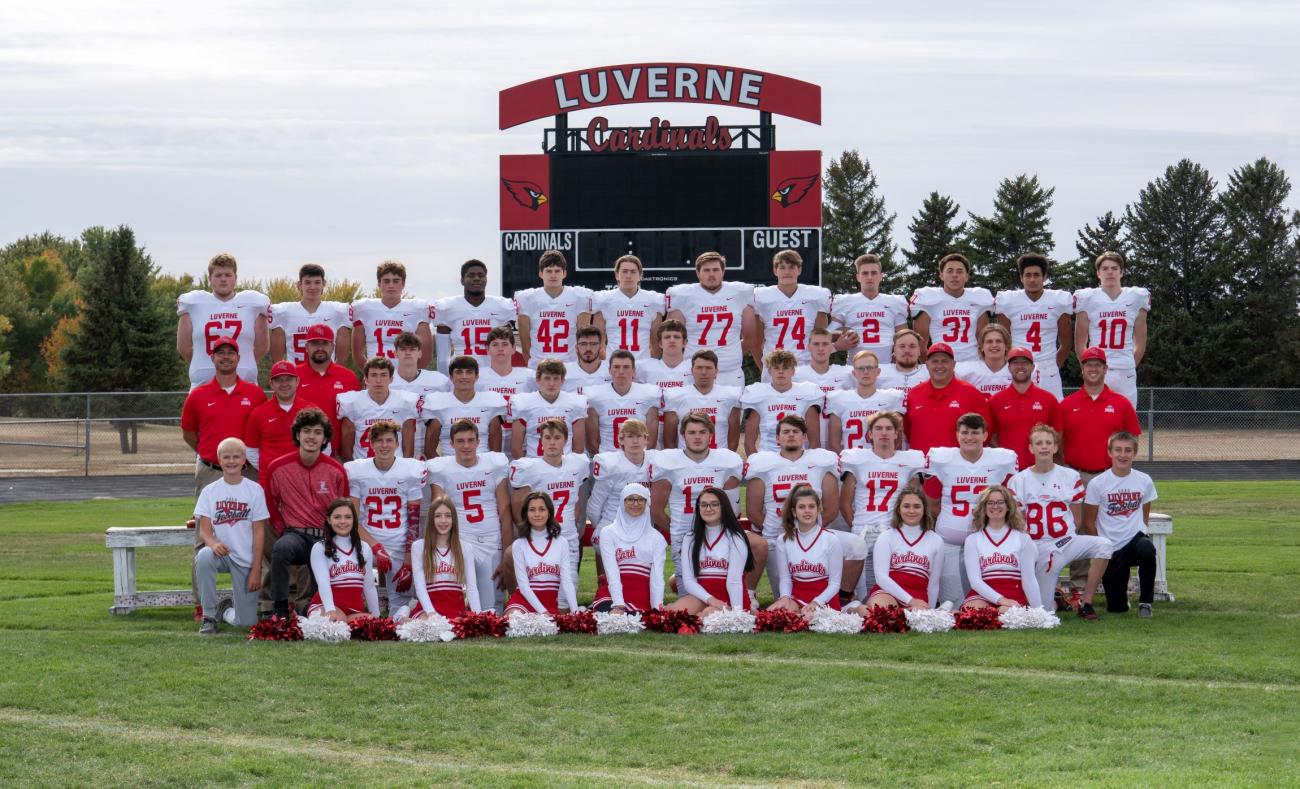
(660, 192)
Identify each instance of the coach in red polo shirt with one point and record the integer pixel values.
(1090, 416)
(934, 406)
(1022, 405)
(212, 413)
(268, 434)
(321, 380)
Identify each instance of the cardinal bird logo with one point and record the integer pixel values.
(794, 189)
(526, 193)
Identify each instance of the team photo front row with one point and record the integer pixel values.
(472, 530)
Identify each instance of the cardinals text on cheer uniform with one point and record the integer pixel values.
(770, 405)
(876, 481)
(982, 377)
(362, 410)
(470, 325)
(292, 318)
(473, 490)
(713, 320)
(954, 319)
(628, 319)
(687, 478)
(854, 410)
(1000, 563)
(1033, 326)
(380, 324)
(532, 408)
(1119, 502)
(810, 564)
(875, 320)
(341, 583)
(610, 471)
(553, 322)
(233, 509)
(384, 497)
(542, 574)
(613, 409)
(780, 475)
(962, 482)
(446, 409)
(1045, 500)
(425, 384)
(722, 568)
(442, 591)
(788, 320)
(717, 405)
(908, 562)
(639, 582)
(578, 380)
(211, 319)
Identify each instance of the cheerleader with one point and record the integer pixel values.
(999, 555)
(908, 557)
(632, 553)
(715, 558)
(541, 561)
(809, 558)
(345, 588)
(444, 582)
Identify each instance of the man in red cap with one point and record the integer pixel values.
(321, 380)
(213, 412)
(1020, 406)
(934, 406)
(1090, 416)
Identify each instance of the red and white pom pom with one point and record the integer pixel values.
(930, 620)
(531, 625)
(828, 620)
(423, 631)
(1028, 618)
(608, 624)
(322, 628)
(728, 620)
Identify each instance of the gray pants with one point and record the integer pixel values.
(206, 566)
(205, 475)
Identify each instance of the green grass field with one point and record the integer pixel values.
(1206, 692)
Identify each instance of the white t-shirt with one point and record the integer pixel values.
(426, 384)
(963, 482)
(978, 375)
(293, 319)
(717, 405)
(578, 380)
(470, 325)
(380, 324)
(771, 405)
(713, 320)
(553, 322)
(628, 319)
(1033, 323)
(384, 496)
(447, 409)
(233, 509)
(360, 408)
(1112, 322)
(780, 475)
(875, 320)
(1045, 500)
(854, 411)
(788, 320)
(954, 319)
(1119, 503)
(473, 490)
(534, 409)
(876, 481)
(613, 409)
(687, 478)
(563, 484)
(211, 319)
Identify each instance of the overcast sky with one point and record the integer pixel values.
(346, 133)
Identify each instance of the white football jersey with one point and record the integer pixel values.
(534, 409)
(447, 409)
(1045, 500)
(613, 409)
(562, 483)
(978, 375)
(211, 319)
(293, 319)
(610, 471)
(788, 320)
(854, 411)
(963, 482)
(654, 371)
(360, 409)
(1033, 323)
(426, 383)
(954, 319)
(1111, 322)
(875, 320)
(687, 478)
(780, 475)
(713, 320)
(628, 319)
(717, 405)
(473, 489)
(469, 325)
(518, 381)
(553, 322)
(771, 405)
(876, 480)
(892, 378)
(384, 496)
(578, 380)
(837, 376)
(380, 324)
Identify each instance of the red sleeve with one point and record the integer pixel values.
(253, 430)
(190, 414)
(267, 480)
(1130, 418)
(980, 405)
(933, 487)
(1058, 418)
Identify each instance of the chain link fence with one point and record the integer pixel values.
(103, 434)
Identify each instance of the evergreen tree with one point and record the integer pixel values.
(933, 235)
(1018, 224)
(1176, 237)
(854, 221)
(1107, 236)
(1260, 251)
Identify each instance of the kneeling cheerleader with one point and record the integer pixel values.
(810, 560)
(541, 562)
(999, 555)
(444, 582)
(908, 557)
(632, 553)
(345, 589)
(715, 557)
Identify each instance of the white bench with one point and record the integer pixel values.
(1160, 527)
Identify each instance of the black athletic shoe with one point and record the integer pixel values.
(1086, 612)
(1144, 610)
(1061, 603)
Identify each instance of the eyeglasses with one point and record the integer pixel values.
(708, 505)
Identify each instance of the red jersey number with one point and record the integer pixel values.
(383, 512)
(380, 333)
(793, 327)
(956, 328)
(879, 493)
(1112, 333)
(960, 501)
(870, 331)
(553, 335)
(472, 509)
(724, 321)
(1046, 520)
(473, 340)
(216, 330)
(630, 334)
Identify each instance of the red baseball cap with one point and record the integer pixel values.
(284, 367)
(319, 331)
(222, 342)
(1093, 354)
(1020, 353)
(941, 347)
